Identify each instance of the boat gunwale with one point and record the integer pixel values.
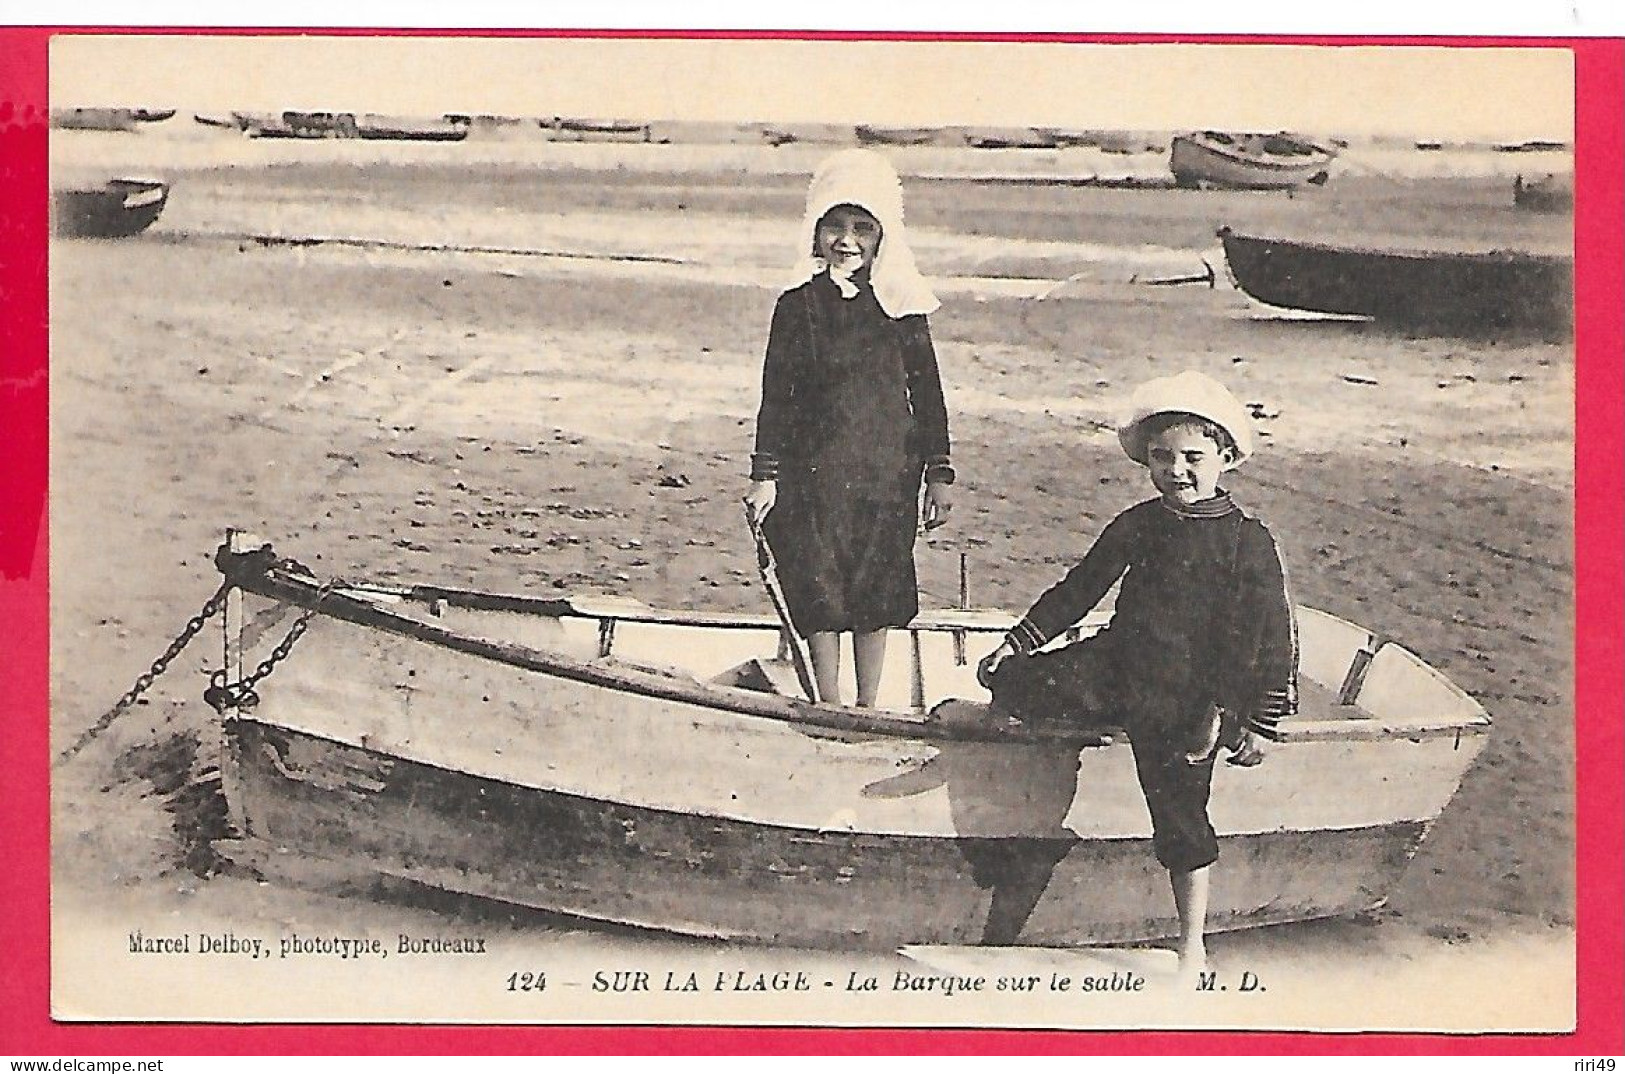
(632, 678)
(278, 584)
(1226, 234)
(973, 620)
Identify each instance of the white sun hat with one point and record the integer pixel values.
(866, 179)
(1189, 392)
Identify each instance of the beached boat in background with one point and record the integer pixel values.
(1545, 194)
(293, 124)
(1009, 138)
(319, 124)
(114, 209)
(412, 129)
(1537, 145)
(1248, 161)
(599, 758)
(871, 135)
(1469, 293)
(598, 130)
(1068, 137)
(93, 119)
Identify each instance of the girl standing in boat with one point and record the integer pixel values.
(851, 419)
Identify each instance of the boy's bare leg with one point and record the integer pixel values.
(869, 654)
(1190, 900)
(825, 649)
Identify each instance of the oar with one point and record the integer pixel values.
(800, 659)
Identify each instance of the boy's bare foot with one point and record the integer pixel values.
(1192, 964)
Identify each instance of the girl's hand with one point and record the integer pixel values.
(990, 664)
(939, 500)
(760, 499)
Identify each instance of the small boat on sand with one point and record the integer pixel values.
(114, 209)
(598, 130)
(1448, 291)
(1544, 194)
(412, 129)
(600, 758)
(321, 124)
(1535, 145)
(94, 119)
(1009, 138)
(871, 135)
(1248, 161)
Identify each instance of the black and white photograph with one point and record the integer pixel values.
(774, 531)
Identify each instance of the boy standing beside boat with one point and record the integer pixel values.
(1201, 651)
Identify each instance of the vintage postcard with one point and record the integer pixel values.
(529, 515)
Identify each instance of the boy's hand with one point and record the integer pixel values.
(1203, 749)
(1247, 752)
(939, 500)
(760, 499)
(990, 664)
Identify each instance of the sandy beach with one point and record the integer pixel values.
(533, 371)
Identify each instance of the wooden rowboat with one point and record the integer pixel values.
(1470, 293)
(1247, 161)
(871, 135)
(115, 209)
(411, 129)
(1009, 138)
(610, 761)
(599, 130)
(94, 119)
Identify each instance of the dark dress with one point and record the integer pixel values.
(852, 414)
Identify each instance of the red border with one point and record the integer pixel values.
(25, 1024)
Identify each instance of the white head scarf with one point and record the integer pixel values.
(866, 179)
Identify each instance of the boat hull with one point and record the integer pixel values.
(590, 130)
(94, 119)
(114, 210)
(401, 128)
(500, 748)
(1196, 163)
(1468, 293)
(868, 135)
(369, 813)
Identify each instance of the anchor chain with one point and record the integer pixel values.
(222, 695)
(210, 609)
